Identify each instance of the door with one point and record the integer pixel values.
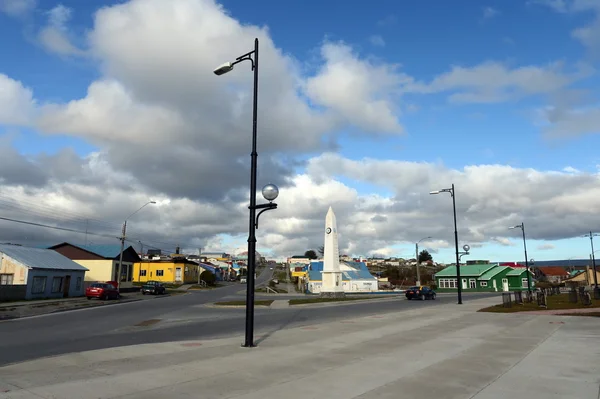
(178, 274)
(464, 283)
(495, 285)
(505, 284)
(66, 286)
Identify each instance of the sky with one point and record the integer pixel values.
(365, 107)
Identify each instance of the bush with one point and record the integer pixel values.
(208, 278)
(433, 287)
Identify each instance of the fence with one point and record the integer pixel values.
(12, 292)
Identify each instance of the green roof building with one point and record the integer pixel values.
(484, 277)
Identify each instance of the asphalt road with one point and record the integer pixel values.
(182, 317)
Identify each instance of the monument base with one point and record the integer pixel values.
(332, 294)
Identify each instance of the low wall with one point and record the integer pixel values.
(12, 292)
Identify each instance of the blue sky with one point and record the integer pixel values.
(424, 40)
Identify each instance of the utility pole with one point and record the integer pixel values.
(123, 232)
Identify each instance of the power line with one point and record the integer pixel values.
(56, 227)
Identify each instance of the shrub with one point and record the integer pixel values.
(208, 278)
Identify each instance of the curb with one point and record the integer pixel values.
(8, 318)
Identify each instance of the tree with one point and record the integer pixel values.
(425, 256)
(322, 251)
(208, 277)
(310, 254)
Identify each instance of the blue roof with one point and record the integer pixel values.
(105, 250)
(359, 271)
(212, 269)
(40, 258)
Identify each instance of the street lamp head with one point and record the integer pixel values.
(434, 192)
(152, 202)
(515, 227)
(270, 192)
(223, 68)
(531, 261)
(466, 248)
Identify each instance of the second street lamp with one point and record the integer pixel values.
(458, 282)
(123, 236)
(596, 289)
(270, 192)
(417, 259)
(522, 227)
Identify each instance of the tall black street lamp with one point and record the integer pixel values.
(458, 282)
(417, 259)
(522, 227)
(270, 192)
(596, 290)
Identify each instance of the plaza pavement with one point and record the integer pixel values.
(447, 351)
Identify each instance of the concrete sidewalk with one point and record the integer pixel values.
(445, 351)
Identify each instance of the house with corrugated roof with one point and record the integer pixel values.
(355, 277)
(490, 277)
(102, 262)
(36, 273)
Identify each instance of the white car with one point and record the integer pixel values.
(243, 280)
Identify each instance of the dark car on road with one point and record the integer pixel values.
(420, 292)
(154, 288)
(101, 291)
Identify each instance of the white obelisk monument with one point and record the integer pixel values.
(332, 276)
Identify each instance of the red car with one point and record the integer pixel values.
(101, 291)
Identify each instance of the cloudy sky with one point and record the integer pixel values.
(106, 105)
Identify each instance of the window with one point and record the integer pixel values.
(6, 279)
(142, 273)
(124, 273)
(159, 273)
(38, 285)
(524, 283)
(57, 284)
(78, 285)
(472, 283)
(129, 272)
(483, 283)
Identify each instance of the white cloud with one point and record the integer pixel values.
(545, 247)
(17, 105)
(17, 8)
(492, 82)
(377, 40)
(504, 241)
(360, 91)
(54, 36)
(490, 12)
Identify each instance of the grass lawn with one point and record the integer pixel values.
(266, 302)
(554, 302)
(303, 301)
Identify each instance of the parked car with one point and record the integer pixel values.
(154, 288)
(101, 291)
(420, 292)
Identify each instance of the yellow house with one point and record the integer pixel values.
(586, 277)
(176, 271)
(102, 262)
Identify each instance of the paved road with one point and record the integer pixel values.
(177, 318)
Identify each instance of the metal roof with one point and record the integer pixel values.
(40, 258)
(466, 270)
(516, 272)
(110, 251)
(359, 271)
(493, 271)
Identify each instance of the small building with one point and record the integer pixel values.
(178, 270)
(483, 277)
(551, 274)
(355, 278)
(36, 273)
(583, 278)
(102, 261)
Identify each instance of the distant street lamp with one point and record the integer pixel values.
(522, 227)
(270, 192)
(458, 282)
(417, 259)
(123, 235)
(596, 290)
(466, 249)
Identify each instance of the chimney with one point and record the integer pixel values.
(177, 249)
